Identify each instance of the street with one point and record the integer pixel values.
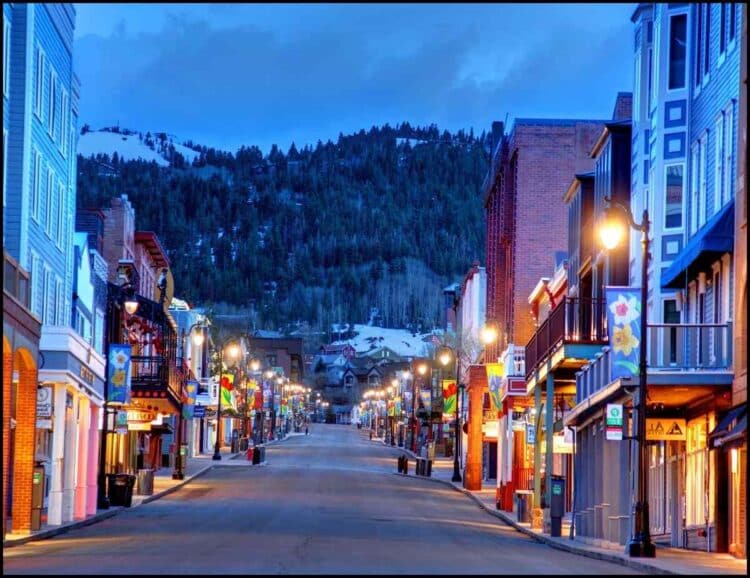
(327, 503)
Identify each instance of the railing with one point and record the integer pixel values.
(523, 478)
(16, 280)
(573, 320)
(155, 373)
(686, 346)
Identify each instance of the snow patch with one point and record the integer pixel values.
(127, 147)
(401, 341)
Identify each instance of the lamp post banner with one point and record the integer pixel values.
(425, 397)
(495, 382)
(623, 321)
(188, 406)
(449, 396)
(118, 374)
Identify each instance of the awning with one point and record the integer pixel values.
(732, 427)
(714, 239)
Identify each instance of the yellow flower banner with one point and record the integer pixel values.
(495, 373)
(118, 373)
(624, 327)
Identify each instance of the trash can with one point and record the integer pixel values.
(259, 455)
(524, 499)
(145, 482)
(427, 467)
(243, 444)
(37, 497)
(121, 489)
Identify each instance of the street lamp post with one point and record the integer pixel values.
(613, 230)
(121, 295)
(178, 473)
(233, 352)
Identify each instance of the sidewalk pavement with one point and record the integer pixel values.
(163, 485)
(667, 560)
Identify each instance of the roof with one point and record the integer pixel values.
(151, 242)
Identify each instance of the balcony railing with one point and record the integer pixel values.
(686, 346)
(572, 321)
(155, 373)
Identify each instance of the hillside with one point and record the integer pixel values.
(381, 219)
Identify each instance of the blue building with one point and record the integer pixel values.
(40, 120)
(683, 170)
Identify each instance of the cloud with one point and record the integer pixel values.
(341, 68)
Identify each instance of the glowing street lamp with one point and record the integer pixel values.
(617, 217)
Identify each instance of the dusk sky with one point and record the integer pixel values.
(225, 75)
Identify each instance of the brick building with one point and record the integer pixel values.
(527, 222)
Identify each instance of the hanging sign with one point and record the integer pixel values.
(199, 411)
(623, 319)
(121, 422)
(613, 422)
(530, 434)
(44, 401)
(669, 429)
(494, 384)
(118, 373)
(188, 407)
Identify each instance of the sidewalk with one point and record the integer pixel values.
(667, 560)
(163, 485)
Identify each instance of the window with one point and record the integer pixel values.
(650, 73)
(58, 316)
(674, 195)
(700, 474)
(60, 213)
(655, 69)
(36, 283)
(52, 117)
(703, 181)
(6, 60)
(695, 196)
(723, 30)
(718, 162)
(36, 185)
(707, 37)
(637, 91)
(99, 331)
(698, 45)
(50, 191)
(677, 50)
(45, 296)
(729, 154)
(39, 86)
(671, 315)
(63, 142)
(732, 21)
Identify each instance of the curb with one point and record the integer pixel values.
(542, 539)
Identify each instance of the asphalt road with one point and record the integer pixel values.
(327, 503)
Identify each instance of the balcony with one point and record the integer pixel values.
(573, 321)
(685, 362)
(686, 347)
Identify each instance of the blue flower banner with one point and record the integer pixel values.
(495, 373)
(191, 389)
(624, 327)
(118, 373)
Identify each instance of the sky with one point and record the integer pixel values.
(227, 75)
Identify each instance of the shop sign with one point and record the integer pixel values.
(530, 437)
(87, 375)
(199, 411)
(668, 429)
(561, 445)
(121, 422)
(44, 401)
(140, 420)
(613, 423)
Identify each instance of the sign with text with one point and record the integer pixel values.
(613, 421)
(199, 411)
(669, 429)
(44, 401)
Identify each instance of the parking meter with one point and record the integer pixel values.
(557, 504)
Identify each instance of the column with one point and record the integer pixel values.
(55, 502)
(92, 469)
(549, 414)
(473, 472)
(83, 434)
(71, 453)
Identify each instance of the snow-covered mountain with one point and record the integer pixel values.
(401, 341)
(131, 145)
